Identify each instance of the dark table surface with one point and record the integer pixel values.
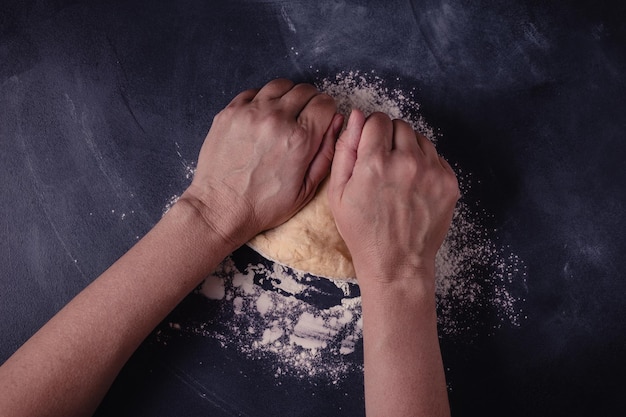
(104, 106)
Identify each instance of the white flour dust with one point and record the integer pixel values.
(473, 272)
(272, 315)
(308, 326)
(369, 94)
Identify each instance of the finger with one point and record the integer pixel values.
(377, 134)
(447, 167)
(320, 165)
(426, 146)
(315, 117)
(296, 100)
(274, 89)
(404, 137)
(244, 96)
(445, 164)
(345, 155)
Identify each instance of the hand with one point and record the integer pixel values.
(264, 157)
(392, 197)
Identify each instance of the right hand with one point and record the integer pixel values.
(392, 197)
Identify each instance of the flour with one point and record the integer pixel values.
(473, 272)
(270, 316)
(368, 93)
(311, 327)
(169, 204)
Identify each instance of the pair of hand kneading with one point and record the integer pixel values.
(391, 194)
(392, 199)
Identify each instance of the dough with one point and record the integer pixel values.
(309, 241)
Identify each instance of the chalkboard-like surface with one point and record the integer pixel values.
(104, 105)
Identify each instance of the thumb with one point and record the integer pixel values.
(345, 156)
(320, 165)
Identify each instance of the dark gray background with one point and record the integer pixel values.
(102, 104)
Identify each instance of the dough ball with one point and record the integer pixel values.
(309, 241)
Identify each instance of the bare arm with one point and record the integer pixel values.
(68, 365)
(393, 197)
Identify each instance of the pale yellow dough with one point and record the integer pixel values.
(309, 241)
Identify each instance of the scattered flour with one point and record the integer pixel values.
(170, 203)
(473, 272)
(368, 93)
(269, 311)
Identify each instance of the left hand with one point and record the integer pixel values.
(392, 197)
(264, 157)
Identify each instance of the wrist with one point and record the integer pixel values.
(382, 282)
(213, 215)
(374, 270)
(389, 307)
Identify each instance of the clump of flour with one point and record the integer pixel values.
(272, 316)
(271, 312)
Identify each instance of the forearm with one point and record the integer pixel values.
(247, 180)
(403, 366)
(85, 345)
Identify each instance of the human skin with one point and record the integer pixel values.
(393, 198)
(283, 136)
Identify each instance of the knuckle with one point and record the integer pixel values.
(273, 123)
(298, 136)
(304, 89)
(322, 101)
(280, 82)
(224, 114)
(324, 98)
(399, 124)
(378, 118)
(451, 185)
